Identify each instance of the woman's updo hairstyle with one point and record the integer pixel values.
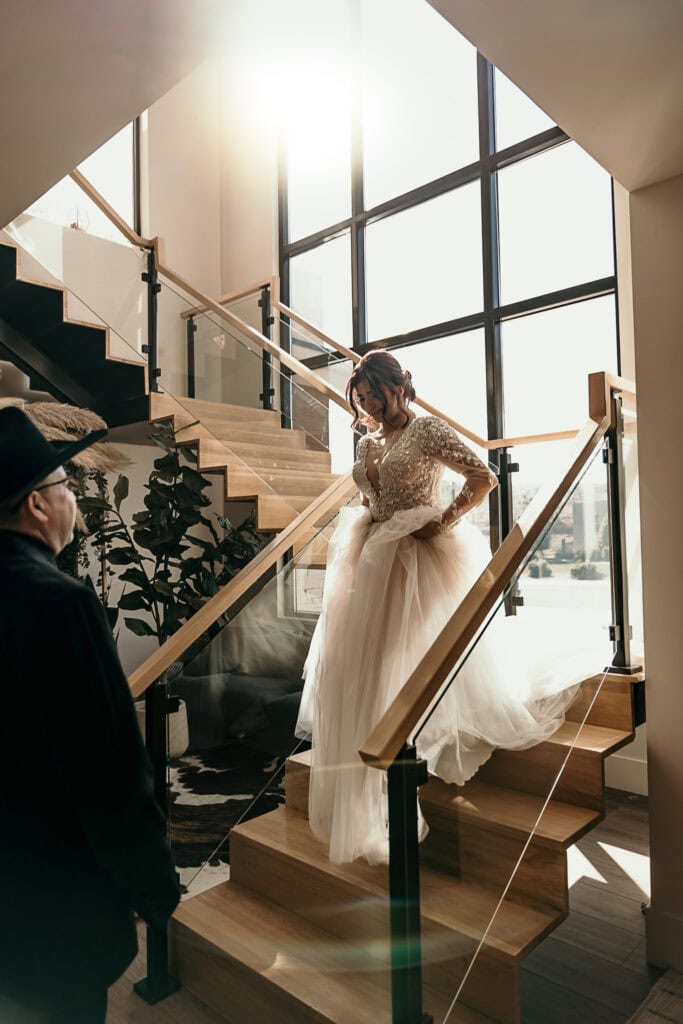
(380, 369)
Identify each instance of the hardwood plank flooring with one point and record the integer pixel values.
(592, 970)
(664, 1005)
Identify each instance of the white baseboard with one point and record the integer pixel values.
(628, 773)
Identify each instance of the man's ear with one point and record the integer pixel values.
(36, 507)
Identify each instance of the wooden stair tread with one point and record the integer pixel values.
(511, 809)
(462, 906)
(164, 405)
(227, 411)
(320, 970)
(597, 738)
(274, 511)
(249, 483)
(266, 454)
(239, 433)
(269, 429)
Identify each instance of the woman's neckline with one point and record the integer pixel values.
(380, 462)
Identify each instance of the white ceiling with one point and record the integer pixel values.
(609, 72)
(73, 72)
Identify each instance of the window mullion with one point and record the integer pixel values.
(358, 278)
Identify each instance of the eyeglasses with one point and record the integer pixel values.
(69, 481)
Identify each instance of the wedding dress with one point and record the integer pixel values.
(386, 598)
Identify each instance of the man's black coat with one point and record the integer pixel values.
(82, 840)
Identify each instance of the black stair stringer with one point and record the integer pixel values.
(68, 359)
(133, 410)
(18, 350)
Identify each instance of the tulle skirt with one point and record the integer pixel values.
(387, 597)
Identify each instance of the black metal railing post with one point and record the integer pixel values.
(405, 775)
(267, 320)
(191, 363)
(506, 467)
(151, 348)
(159, 982)
(620, 629)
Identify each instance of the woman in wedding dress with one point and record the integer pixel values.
(397, 568)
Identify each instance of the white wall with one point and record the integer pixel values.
(181, 157)
(656, 219)
(249, 244)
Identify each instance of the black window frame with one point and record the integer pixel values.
(493, 314)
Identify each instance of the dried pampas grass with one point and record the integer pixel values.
(58, 422)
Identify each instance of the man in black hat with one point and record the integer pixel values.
(82, 840)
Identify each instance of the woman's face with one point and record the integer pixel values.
(382, 406)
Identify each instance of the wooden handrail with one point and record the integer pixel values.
(329, 501)
(489, 445)
(242, 293)
(209, 304)
(412, 702)
(117, 220)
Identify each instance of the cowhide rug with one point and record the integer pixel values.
(211, 791)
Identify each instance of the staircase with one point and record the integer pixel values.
(261, 460)
(73, 361)
(294, 938)
(70, 359)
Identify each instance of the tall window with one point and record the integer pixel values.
(444, 214)
(112, 171)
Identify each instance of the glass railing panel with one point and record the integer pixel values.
(329, 364)
(569, 573)
(304, 344)
(512, 776)
(248, 309)
(537, 467)
(101, 270)
(228, 367)
(279, 457)
(240, 692)
(340, 433)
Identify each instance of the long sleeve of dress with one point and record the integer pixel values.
(440, 441)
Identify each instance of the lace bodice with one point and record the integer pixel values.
(410, 472)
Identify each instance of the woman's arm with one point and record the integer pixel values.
(439, 440)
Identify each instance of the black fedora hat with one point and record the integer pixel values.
(26, 457)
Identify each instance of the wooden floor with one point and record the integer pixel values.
(592, 970)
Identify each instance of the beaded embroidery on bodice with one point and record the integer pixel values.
(410, 472)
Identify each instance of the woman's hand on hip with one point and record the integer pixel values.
(431, 529)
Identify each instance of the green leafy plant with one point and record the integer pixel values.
(169, 572)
